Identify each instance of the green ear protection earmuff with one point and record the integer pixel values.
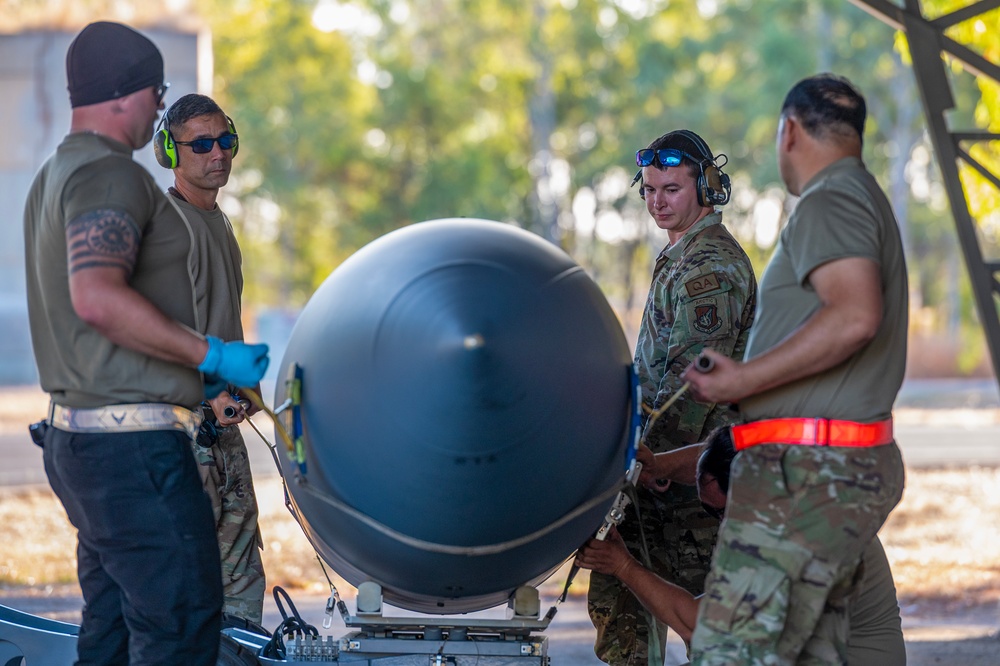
(165, 148)
(163, 145)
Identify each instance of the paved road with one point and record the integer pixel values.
(952, 444)
(964, 433)
(958, 435)
(949, 445)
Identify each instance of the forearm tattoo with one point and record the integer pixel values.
(103, 238)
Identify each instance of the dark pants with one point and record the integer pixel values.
(148, 559)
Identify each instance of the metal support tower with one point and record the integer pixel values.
(928, 46)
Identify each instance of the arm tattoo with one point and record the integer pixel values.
(103, 238)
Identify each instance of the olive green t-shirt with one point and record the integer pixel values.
(842, 213)
(218, 274)
(78, 366)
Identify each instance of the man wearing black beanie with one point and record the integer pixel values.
(111, 306)
(97, 72)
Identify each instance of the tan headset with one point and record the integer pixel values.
(712, 186)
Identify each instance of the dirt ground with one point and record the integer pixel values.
(943, 542)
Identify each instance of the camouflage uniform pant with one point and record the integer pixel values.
(799, 519)
(225, 475)
(680, 538)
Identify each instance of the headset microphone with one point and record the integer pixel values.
(712, 185)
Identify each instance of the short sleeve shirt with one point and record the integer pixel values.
(78, 366)
(703, 294)
(842, 213)
(218, 274)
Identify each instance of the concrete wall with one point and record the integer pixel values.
(35, 116)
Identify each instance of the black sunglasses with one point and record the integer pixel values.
(227, 141)
(668, 157)
(160, 91)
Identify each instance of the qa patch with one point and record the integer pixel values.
(702, 284)
(706, 318)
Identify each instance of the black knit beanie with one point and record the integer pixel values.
(110, 60)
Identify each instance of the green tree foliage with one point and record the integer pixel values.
(982, 35)
(945, 291)
(357, 118)
(531, 112)
(304, 168)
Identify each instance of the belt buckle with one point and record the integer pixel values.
(822, 431)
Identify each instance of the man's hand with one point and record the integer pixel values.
(609, 557)
(253, 408)
(660, 469)
(219, 404)
(723, 383)
(236, 362)
(651, 475)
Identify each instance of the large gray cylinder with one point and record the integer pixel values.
(464, 384)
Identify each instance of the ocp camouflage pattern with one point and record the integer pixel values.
(703, 294)
(796, 514)
(225, 473)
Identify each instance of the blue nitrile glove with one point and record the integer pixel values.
(235, 362)
(214, 385)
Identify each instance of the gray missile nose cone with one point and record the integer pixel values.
(466, 408)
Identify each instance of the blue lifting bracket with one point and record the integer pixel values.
(616, 513)
(635, 427)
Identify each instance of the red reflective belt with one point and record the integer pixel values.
(812, 432)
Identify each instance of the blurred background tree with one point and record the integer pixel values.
(360, 117)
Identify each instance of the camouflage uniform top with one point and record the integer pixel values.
(703, 295)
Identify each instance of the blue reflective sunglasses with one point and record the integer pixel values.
(227, 141)
(668, 157)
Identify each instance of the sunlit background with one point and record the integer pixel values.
(357, 118)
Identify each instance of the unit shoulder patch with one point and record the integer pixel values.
(706, 318)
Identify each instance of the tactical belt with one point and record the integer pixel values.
(812, 432)
(133, 417)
